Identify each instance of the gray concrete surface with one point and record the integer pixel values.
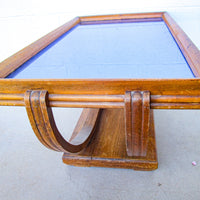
(29, 171)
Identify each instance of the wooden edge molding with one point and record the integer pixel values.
(44, 126)
(137, 122)
(12, 63)
(156, 16)
(185, 87)
(189, 50)
(101, 101)
(165, 94)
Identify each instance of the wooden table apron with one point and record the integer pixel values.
(116, 127)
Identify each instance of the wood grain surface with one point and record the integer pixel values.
(44, 126)
(165, 94)
(188, 48)
(108, 147)
(137, 122)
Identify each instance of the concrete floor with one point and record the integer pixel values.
(29, 171)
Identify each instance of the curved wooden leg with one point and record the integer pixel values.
(44, 126)
(137, 121)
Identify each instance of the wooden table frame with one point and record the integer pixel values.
(116, 127)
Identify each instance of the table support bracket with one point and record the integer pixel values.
(121, 138)
(137, 122)
(44, 126)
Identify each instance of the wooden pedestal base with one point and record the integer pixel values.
(107, 148)
(121, 138)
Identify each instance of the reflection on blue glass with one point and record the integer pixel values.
(123, 50)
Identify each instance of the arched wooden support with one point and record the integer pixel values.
(137, 122)
(44, 126)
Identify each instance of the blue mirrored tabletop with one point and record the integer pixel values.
(120, 50)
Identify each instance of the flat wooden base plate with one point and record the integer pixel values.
(108, 149)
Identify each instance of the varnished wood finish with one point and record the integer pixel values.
(106, 101)
(137, 121)
(108, 147)
(113, 101)
(121, 18)
(187, 87)
(189, 50)
(43, 124)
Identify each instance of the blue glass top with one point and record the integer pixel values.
(120, 50)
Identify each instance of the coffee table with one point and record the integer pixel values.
(118, 68)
